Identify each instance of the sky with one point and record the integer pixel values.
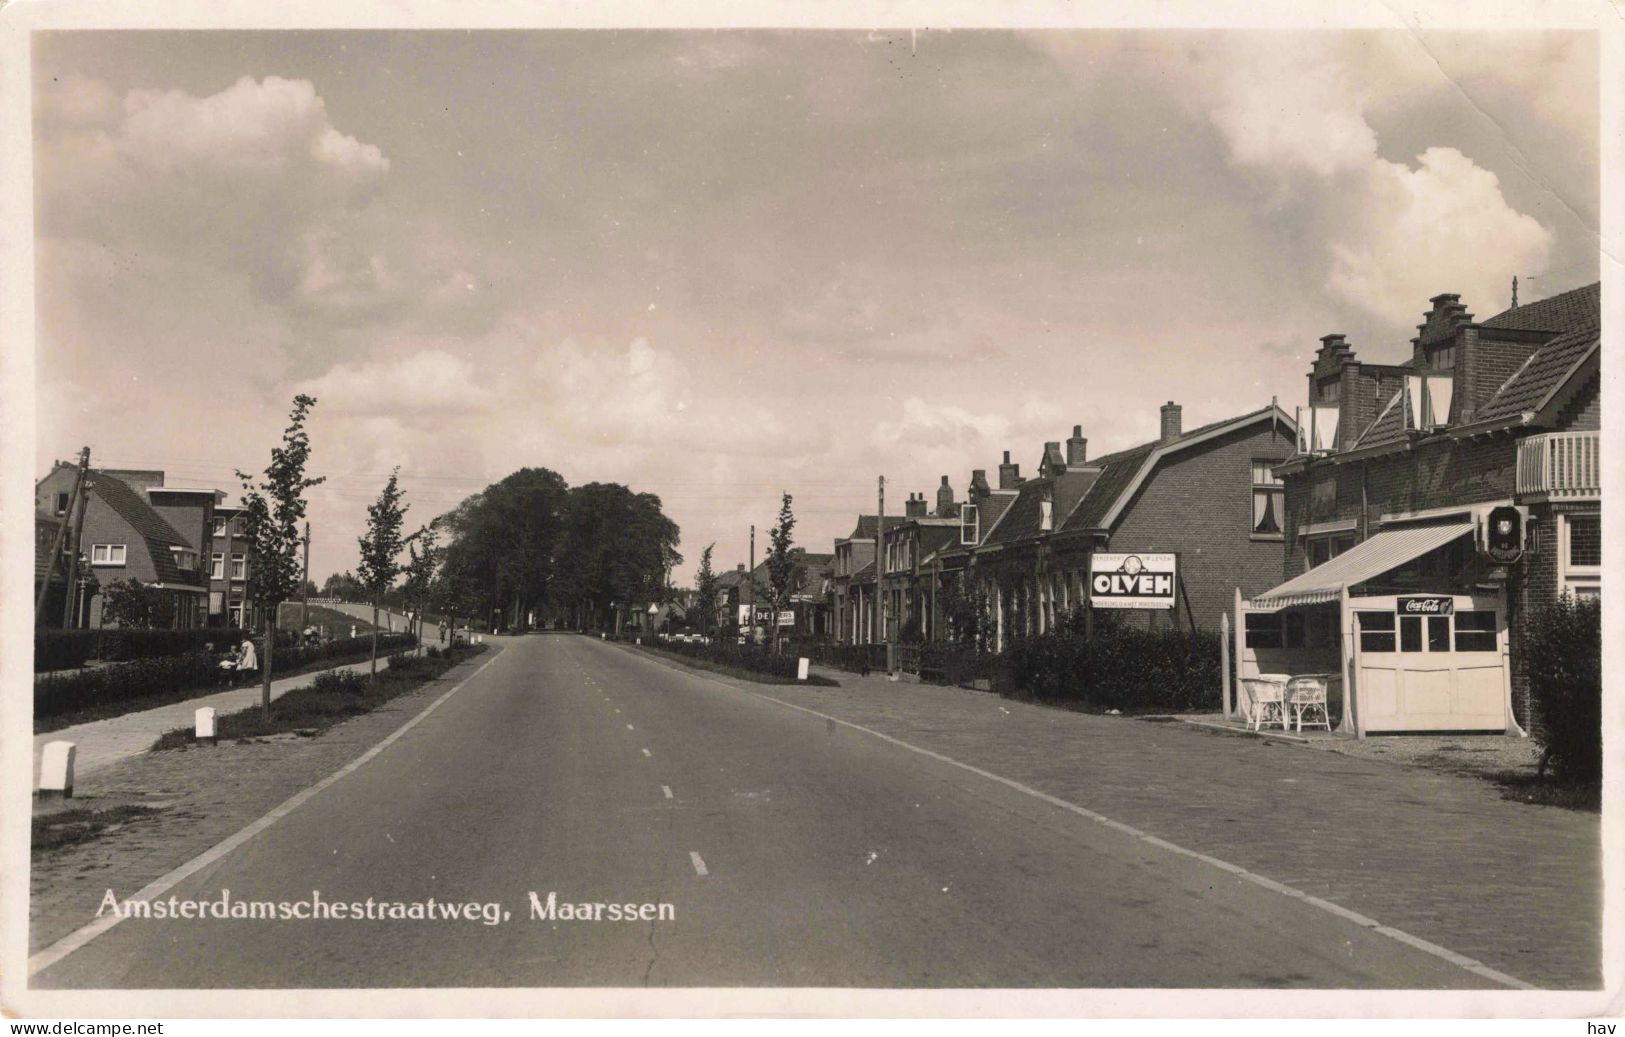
(721, 265)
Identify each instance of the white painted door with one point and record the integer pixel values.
(1432, 672)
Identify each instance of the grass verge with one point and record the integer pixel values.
(64, 828)
(733, 671)
(312, 709)
(108, 710)
(1532, 788)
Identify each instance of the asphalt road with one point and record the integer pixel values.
(793, 852)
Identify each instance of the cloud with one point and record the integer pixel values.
(1394, 232)
(160, 173)
(1441, 225)
(426, 385)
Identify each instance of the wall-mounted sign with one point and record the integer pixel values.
(787, 618)
(1132, 581)
(1503, 534)
(1427, 605)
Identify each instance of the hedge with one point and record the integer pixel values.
(70, 649)
(1123, 668)
(1563, 657)
(752, 658)
(199, 671)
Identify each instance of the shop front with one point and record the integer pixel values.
(1409, 627)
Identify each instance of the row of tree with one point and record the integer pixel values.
(530, 545)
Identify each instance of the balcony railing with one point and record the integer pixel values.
(1560, 464)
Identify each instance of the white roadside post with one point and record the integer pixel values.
(56, 770)
(203, 726)
(801, 668)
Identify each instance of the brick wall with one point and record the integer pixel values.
(1200, 503)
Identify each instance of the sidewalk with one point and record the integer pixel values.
(103, 743)
(1442, 856)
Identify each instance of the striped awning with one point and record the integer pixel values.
(1372, 557)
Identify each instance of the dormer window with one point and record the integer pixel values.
(1046, 515)
(970, 526)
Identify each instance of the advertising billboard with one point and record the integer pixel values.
(1132, 581)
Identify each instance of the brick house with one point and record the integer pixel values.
(1392, 499)
(911, 546)
(852, 582)
(1207, 496)
(134, 527)
(229, 559)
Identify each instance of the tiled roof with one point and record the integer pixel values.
(991, 510)
(1022, 520)
(1391, 424)
(139, 516)
(1562, 312)
(1119, 469)
(865, 529)
(1547, 369)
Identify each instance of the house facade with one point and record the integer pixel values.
(134, 527)
(1431, 507)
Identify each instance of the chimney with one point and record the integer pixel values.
(979, 488)
(915, 507)
(1009, 474)
(1077, 448)
(1170, 422)
(741, 567)
(945, 499)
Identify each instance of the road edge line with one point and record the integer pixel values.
(76, 940)
(1472, 965)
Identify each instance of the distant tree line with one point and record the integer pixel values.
(534, 546)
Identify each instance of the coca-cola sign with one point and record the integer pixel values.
(1427, 605)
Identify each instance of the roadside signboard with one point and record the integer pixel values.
(787, 618)
(1132, 581)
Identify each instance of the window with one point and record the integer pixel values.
(184, 559)
(1324, 549)
(1329, 390)
(1046, 515)
(1437, 398)
(107, 554)
(1410, 633)
(239, 567)
(61, 504)
(1376, 631)
(217, 566)
(1438, 633)
(1263, 629)
(1475, 631)
(970, 527)
(1269, 499)
(219, 526)
(1580, 555)
(1443, 358)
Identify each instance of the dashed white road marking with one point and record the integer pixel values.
(161, 885)
(648, 753)
(667, 790)
(629, 727)
(699, 865)
(1472, 965)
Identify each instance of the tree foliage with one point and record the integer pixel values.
(1563, 657)
(131, 603)
(273, 510)
(533, 544)
(784, 569)
(705, 590)
(381, 545)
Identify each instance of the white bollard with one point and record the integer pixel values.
(637, 640)
(203, 725)
(603, 636)
(801, 669)
(56, 770)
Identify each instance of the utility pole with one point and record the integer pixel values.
(304, 589)
(750, 579)
(61, 532)
(70, 618)
(880, 570)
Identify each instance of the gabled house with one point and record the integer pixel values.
(134, 527)
(910, 550)
(1430, 507)
(852, 581)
